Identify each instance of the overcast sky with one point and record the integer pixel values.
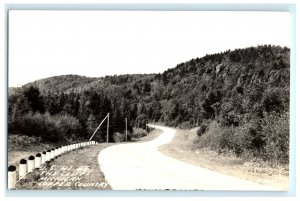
(99, 43)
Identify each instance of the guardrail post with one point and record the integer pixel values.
(52, 155)
(22, 168)
(12, 177)
(43, 157)
(38, 160)
(31, 163)
(55, 152)
(48, 153)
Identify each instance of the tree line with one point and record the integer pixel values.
(234, 97)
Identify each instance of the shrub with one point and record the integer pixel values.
(49, 128)
(119, 137)
(277, 136)
(202, 129)
(142, 120)
(138, 132)
(222, 139)
(272, 101)
(173, 123)
(266, 139)
(17, 141)
(211, 138)
(185, 125)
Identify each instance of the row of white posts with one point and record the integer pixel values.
(27, 166)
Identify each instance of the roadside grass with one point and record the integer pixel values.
(21, 147)
(85, 157)
(150, 136)
(183, 148)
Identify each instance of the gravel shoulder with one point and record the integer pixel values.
(182, 148)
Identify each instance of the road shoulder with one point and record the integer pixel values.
(181, 148)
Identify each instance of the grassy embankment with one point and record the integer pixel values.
(21, 147)
(183, 147)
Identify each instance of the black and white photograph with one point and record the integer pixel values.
(147, 100)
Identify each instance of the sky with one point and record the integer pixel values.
(98, 43)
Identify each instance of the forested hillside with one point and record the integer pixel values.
(239, 99)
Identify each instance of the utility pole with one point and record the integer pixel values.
(107, 127)
(126, 129)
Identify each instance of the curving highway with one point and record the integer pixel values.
(140, 166)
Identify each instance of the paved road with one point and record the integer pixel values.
(141, 166)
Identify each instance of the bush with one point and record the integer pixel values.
(173, 123)
(138, 133)
(202, 129)
(272, 101)
(211, 138)
(21, 141)
(266, 139)
(55, 128)
(277, 136)
(119, 137)
(185, 125)
(227, 139)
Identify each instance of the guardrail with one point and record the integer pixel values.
(36, 162)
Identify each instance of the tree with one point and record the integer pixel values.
(142, 121)
(35, 100)
(53, 104)
(94, 103)
(146, 87)
(91, 125)
(212, 97)
(272, 101)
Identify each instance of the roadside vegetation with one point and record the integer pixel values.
(185, 147)
(239, 100)
(86, 157)
(22, 146)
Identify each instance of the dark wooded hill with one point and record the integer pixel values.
(237, 94)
